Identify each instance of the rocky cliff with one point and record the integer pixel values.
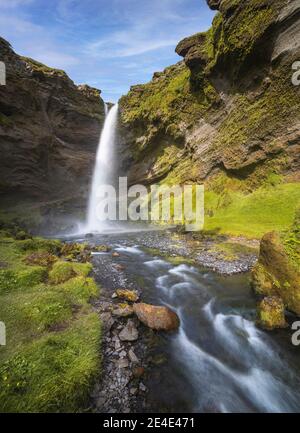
(228, 115)
(49, 130)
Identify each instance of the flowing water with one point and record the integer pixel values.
(218, 361)
(104, 169)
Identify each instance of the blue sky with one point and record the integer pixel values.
(108, 44)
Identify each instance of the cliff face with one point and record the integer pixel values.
(49, 130)
(230, 106)
(228, 115)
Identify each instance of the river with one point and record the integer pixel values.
(218, 361)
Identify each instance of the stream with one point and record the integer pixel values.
(218, 361)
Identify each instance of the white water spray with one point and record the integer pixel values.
(103, 171)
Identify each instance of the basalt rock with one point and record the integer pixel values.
(49, 130)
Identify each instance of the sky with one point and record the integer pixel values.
(108, 44)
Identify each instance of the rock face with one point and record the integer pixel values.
(271, 313)
(277, 272)
(159, 318)
(224, 110)
(49, 131)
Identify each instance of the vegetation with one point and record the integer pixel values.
(40, 67)
(53, 335)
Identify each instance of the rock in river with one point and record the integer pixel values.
(159, 318)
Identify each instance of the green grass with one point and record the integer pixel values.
(255, 213)
(53, 336)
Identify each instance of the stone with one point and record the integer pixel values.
(115, 254)
(129, 333)
(270, 313)
(123, 310)
(138, 372)
(277, 272)
(129, 295)
(142, 387)
(158, 318)
(122, 354)
(133, 391)
(123, 363)
(114, 296)
(119, 268)
(132, 356)
(107, 320)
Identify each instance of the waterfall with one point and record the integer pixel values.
(103, 171)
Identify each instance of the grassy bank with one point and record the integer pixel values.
(53, 336)
(252, 214)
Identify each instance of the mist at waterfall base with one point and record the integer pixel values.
(103, 171)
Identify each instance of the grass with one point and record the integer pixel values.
(255, 213)
(53, 336)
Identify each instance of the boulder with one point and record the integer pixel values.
(129, 333)
(158, 318)
(270, 313)
(129, 295)
(277, 271)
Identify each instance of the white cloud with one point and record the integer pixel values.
(32, 40)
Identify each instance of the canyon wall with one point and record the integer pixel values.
(49, 131)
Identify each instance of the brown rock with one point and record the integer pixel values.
(159, 318)
(115, 254)
(138, 372)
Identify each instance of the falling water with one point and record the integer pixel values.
(103, 171)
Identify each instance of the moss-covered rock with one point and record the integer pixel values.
(278, 269)
(270, 312)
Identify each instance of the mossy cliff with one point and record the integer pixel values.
(49, 130)
(227, 116)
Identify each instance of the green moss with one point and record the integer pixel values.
(63, 271)
(4, 120)
(253, 214)
(53, 336)
(53, 373)
(271, 313)
(40, 244)
(40, 67)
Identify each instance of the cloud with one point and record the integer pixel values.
(32, 40)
